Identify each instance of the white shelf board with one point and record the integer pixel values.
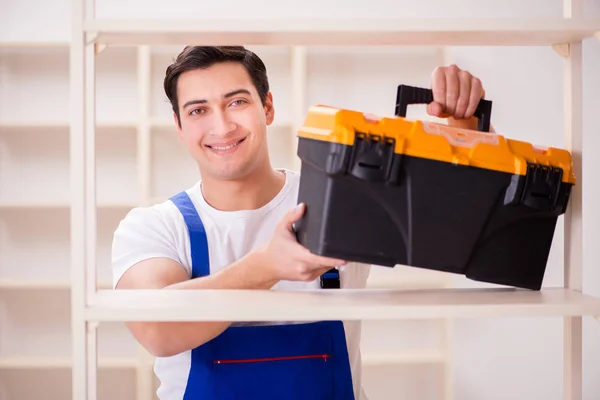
(407, 283)
(25, 124)
(381, 278)
(36, 284)
(17, 362)
(408, 356)
(28, 203)
(327, 31)
(347, 304)
(24, 44)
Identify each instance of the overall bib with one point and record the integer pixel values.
(307, 361)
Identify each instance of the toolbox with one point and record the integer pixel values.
(396, 191)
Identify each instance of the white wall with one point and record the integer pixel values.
(496, 359)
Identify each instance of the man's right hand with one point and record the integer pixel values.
(283, 258)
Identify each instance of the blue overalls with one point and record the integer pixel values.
(307, 361)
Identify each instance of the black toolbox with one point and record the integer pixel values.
(394, 191)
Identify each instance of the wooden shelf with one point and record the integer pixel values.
(20, 362)
(326, 31)
(239, 305)
(64, 124)
(35, 45)
(403, 277)
(408, 356)
(28, 203)
(370, 359)
(24, 284)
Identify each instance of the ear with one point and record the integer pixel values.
(269, 108)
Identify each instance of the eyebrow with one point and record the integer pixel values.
(227, 95)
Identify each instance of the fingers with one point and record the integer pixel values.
(311, 275)
(452, 90)
(324, 261)
(291, 217)
(308, 266)
(476, 94)
(303, 265)
(464, 94)
(319, 272)
(438, 88)
(456, 93)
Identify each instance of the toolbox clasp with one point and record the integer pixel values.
(540, 189)
(373, 158)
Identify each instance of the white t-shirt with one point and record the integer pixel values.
(160, 231)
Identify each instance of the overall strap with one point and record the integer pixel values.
(197, 234)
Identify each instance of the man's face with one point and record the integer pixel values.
(223, 122)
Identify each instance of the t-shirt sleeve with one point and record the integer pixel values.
(144, 233)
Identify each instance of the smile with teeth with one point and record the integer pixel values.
(222, 148)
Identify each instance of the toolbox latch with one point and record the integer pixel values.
(331, 279)
(540, 189)
(372, 158)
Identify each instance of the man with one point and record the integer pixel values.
(240, 217)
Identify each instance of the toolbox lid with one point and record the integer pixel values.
(434, 141)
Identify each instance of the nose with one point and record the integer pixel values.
(221, 125)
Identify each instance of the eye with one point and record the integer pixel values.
(238, 102)
(197, 111)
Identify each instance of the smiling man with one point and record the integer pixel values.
(233, 230)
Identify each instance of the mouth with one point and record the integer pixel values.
(225, 147)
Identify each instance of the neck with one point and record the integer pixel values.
(248, 193)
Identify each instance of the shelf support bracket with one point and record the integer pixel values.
(99, 48)
(562, 49)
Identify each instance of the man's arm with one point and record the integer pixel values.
(164, 339)
(281, 258)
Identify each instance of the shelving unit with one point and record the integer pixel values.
(91, 306)
(138, 162)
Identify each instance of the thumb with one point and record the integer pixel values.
(434, 109)
(292, 216)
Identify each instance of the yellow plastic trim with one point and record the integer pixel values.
(434, 141)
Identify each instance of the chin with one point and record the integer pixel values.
(227, 172)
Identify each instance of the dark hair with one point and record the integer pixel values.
(195, 57)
